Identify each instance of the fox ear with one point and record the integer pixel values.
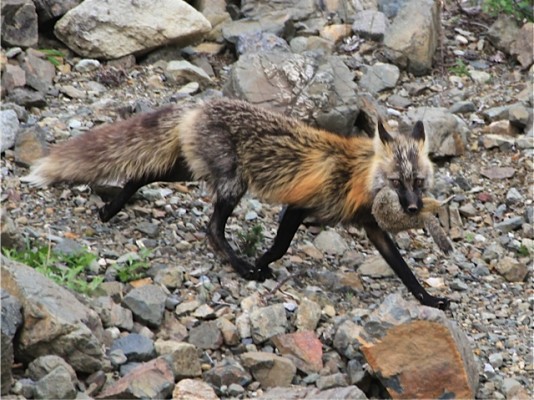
(385, 137)
(418, 132)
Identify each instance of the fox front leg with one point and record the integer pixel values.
(386, 247)
(289, 223)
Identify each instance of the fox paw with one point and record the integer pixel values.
(251, 272)
(103, 213)
(441, 303)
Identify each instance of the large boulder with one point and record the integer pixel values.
(19, 23)
(316, 90)
(55, 322)
(108, 30)
(412, 39)
(417, 352)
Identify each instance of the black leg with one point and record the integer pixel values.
(109, 210)
(290, 222)
(223, 208)
(385, 245)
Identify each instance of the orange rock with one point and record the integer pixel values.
(418, 353)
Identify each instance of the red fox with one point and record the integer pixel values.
(234, 147)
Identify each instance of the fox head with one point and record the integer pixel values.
(402, 163)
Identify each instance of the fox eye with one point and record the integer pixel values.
(419, 182)
(396, 183)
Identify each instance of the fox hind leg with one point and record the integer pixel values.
(228, 195)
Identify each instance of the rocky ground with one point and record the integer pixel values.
(200, 309)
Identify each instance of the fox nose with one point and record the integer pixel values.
(413, 209)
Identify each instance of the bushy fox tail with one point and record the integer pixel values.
(139, 147)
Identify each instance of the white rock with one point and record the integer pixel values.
(112, 29)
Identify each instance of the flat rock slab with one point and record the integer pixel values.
(55, 322)
(303, 348)
(417, 352)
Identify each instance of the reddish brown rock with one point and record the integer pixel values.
(417, 352)
(303, 348)
(150, 380)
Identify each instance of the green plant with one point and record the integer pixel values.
(469, 237)
(523, 251)
(519, 9)
(251, 239)
(459, 68)
(133, 266)
(54, 56)
(67, 270)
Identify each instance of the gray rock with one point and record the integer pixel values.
(183, 356)
(24, 387)
(318, 92)
(276, 23)
(509, 224)
(10, 234)
(207, 335)
(497, 173)
(147, 304)
(446, 133)
(522, 45)
(493, 251)
(19, 23)
(87, 65)
(513, 196)
(226, 373)
(295, 9)
(390, 7)
(503, 32)
(461, 107)
(113, 314)
(269, 369)
(356, 372)
(519, 115)
(370, 24)
(330, 381)
(30, 145)
(12, 77)
(57, 384)
(267, 322)
(42, 366)
(380, 77)
(496, 360)
(122, 27)
(412, 38)
(148, 228)
(375, 267)
(183, 71)
(11, 319)
(235, 390)
(458, 285)
(117, 357)
(26, 98)
(308, 315)
(260, 42)
(510, 386)
(529, 214)
(21, 112)
(490, 141)
(311, 393)
(39, 72)
(345, 339)
(496, 113)
(52, 9)
(61, 324)
(313, 44)
(9, 128)
(135, 347)
(331, 242)
(511, 269)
